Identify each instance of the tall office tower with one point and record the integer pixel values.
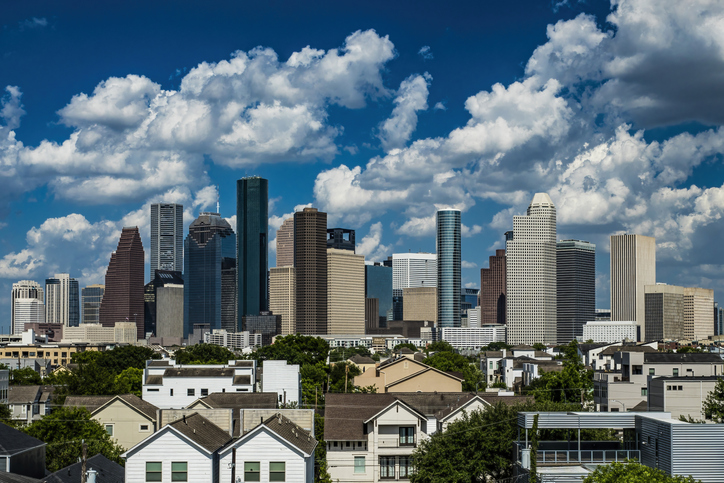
(167, 228)
(150, 299)
(92, 295)
(28, 311)
(698, 304)
(265, 323)
(633, 266)
(372, 315)
(123, 297)
(378, 285)
(469, 298)
(283, 297)
(340, 238)
(420, 303)
(208, 248)
(24, 289)
(62, 304)
(411, 270)
(492, 290)
(285, 243)
(170, 310)
(576, 292)
(448, 268)
(310, 262)
(664, 312)
(229, 295)
(345, 292)
(531, 275)
(252, 252)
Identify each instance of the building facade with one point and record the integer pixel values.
(492, 290)
(24, 289)
(62, 304)
(283, 297)
(420, 303)
(123, 296)
(411, 270)
(664, 312)
(378, 285)
(576, 287)
(345, 292)
(633, 266)
(310, 262)
(340, 239)
(473, 338)
(285, 243)
(170, 310)
(92, 296)
(252, 215)
(610, 331)
(698, 306)
(167, 227)
(26, 312)
(266, 323)
(531, 302)
(448, 268)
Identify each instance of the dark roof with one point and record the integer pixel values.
(13, 441)
(202, 431)
(642, 406)
(22, 394)
(292, 433)
(626, 348)
(419, 356)
(14, 478)
(107, 471)
(154, 380)
(405, 350)
(242, 400)
(453, 407)
(589, 347)
(358, 359)
(689, 357)
(157, 363)
(92, 403)
(244, 379)
(244, 363)
(523, 347)
(199, 372)
(492, 354)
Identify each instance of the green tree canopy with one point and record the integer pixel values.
(204, 354)
(633, 472)
(406, 345)
(344, 353)
(497, 346)
(573, 383)
(450, 361)
(539, 346)
(337, 376)
(117, 359)
(440, 346)
(64, 430)
(25, 377)
(129, 381)
(713, 407)
(295, 349)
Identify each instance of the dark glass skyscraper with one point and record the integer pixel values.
(378, 285)
(448, 268)
(167, 235)
(208, 248)
(492, 290)
(252, 215)
(576, 287)
(310, 262)
(92, 296)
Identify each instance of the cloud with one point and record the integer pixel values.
(411, 97)
(33, 23)
(371, 245)
(425, 52)
(439, 106)
(466, 264)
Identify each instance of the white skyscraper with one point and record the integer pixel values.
(62, 301)
(167, 243)
(27, 311)
(412, 270)
(24, 289)
(531, 274)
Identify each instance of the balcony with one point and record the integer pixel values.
(551, 453)
(393, 442)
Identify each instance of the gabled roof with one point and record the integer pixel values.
(391, 362)
(688, 357)
(14, 478)
(358, 359)
(23, 394)
(466, 401)
(394, 403)
(202, 431)
(13, 441)
(95, 404)
(292, 433)
(583, 348)
(419, 373)
(107, 471)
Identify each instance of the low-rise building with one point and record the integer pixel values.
(283, 379)
(680, 396)
(60, 354)
(30, 403)
(121, 333)
(233, 340)
(473, 337)
(405, 374)
(20, 453)
(611, 331)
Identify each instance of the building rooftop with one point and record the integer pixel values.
(689, 357)
(107, 471)
(93, 403)
(292, 433)
(13, 441)
(202, 431)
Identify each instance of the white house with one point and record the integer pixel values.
(168, 385)
(283, 379)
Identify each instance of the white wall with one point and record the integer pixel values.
(168, 448)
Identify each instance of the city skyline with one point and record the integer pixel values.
(414, 130)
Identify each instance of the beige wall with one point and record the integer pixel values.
(698, 313)
(126, 423)
(403, 368)
(345, 292)
(426, 381)
(170, 311)
(283, 296)
(419, 304)
(633, 266)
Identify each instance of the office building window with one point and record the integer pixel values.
(252, 471)
(359, 464)
(153, 471)
(387, 467)
(179, 472)
(277, 471)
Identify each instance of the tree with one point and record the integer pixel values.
(130, 381)
(439, 346)
(341, 372)
(688, 349)
(91, 379)
(321, 475)
(204, 354)
(344, 353)
(633, 472)
(539, 346)
(450, 361)
(572, 384)
(25, 377)
(295, 349)
(64, 430)
(117, 359)
(713, 407)
(406, 345)
(497, 346)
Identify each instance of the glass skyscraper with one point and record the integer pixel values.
(252, 215)
(448, 268)
(209, 249)
(92, 296)
(167, 228)
(378, 285)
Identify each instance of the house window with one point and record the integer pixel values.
(277, 471)
(109, 429)
(153, 471)
(143, 427)
(204, 392)
(405, 466)
(190, 392)
(179, 471)
(387, 467)
(335, 444)
(681, 388)
(359, 464)
(348, 444)
(407, 436)
(170, 392)
(644, 391)
(652, 371)
(675, 371)
(252, 471)
(152, 389)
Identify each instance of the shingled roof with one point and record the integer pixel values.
(13, 441)
(93, 403)
(688, 357)
(608, 351)
(237, 401)
(202, 431)
(23, 394)
(292, 433)
(358, 359)
(107, 471)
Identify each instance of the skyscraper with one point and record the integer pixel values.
(664, 312)
(448, 268)
(531, 275)
(252, 262)
(492, 290)
(167, 226)
(209, 247)
(345, 292)
(283, 297)
(411, 270)
(92, 295)
(310, 262)
(576, 292)
(340, 238)
(633, 266)
(123, 296)
(378, 285)
(62, 304)
(150, 300)
(698, 304)
(24, 289)
(285, 243)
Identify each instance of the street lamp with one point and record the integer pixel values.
(622, 404)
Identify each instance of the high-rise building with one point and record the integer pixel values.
(664, 309)
(698, 304)
(469, 298)
(372, 315)
(62, 301)
(411, 270)
(170, 310)
(285, 243)
(123, 296)
(633, 266)
(378, 285)
(24, 289)
(576, 292)
(209, 246)
(420, 303)
(252, 252)
(167, 228)
(448, 268)
(340, 238)
(310, 262)
(26, 312)
(531, 275)
(345, 292)
(283, 297)
(492, 290)
(150, 299)
(265, 323)
(92, 295)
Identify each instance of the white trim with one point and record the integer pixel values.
(158, 434)
(389, 406)
(242, 440)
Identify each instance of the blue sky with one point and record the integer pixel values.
(378, 113)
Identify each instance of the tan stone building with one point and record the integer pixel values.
(698, 310)
(419, 303)
(283, 297)
(285, 243)
(408, 375)
(345, 292)
(664, 312)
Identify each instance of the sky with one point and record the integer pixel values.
(379, 113)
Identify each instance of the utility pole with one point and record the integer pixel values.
(83, 454)
(346, 371)
(233, 465)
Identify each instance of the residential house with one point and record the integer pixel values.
(238, 403)
(29, 403)
(362, 362)
(405, 374)
(4, 385)
(127, 418)
(605, 359)
(681, 396)
(20, 453)
(103, 469)
(508, 367)
(284, 379)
